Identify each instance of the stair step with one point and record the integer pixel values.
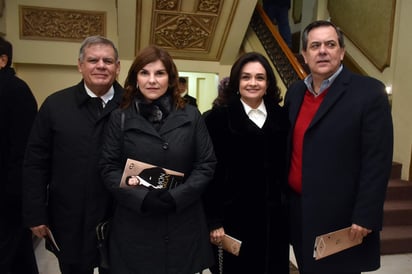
(397, 212)
(399, 189)
(396, 235)
(396, 239)
(396, 170)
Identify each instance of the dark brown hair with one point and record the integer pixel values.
(148, 55)
(231, 91)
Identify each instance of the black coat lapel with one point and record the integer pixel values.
(239, 122)
(336, 90)
(297, 93)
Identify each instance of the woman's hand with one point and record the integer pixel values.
(216, 235)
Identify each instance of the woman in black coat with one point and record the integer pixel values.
(158, 231)
(245, 199)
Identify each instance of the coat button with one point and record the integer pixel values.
(165, 146)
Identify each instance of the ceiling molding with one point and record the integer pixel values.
(191, 30)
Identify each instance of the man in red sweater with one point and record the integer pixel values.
(340, 156)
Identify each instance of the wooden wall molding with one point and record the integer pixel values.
(41, 23)
(192, 31)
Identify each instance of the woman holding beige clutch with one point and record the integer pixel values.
(245, 198)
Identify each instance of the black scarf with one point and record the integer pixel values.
(157, 110)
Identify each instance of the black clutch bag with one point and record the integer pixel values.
(102, 232)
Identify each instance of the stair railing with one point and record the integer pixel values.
(285, 62)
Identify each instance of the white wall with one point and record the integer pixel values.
(202, 86)
(402, 87)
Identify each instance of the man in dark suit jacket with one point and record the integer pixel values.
(340, 155)
(183, 91)
(62, 186)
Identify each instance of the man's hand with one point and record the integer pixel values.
(40, 231)
(358, 232)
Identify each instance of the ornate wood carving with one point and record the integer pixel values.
(166, 4)
(209, 6)
(185, 30)
(40, 23)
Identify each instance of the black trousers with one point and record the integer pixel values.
(300, 272)
(78, 269)
(16, 251)
(296, 233)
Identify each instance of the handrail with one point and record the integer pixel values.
(300, 71)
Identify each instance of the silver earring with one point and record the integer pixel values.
(137, 86)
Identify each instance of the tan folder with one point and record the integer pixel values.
(231, 245)
(333, 242)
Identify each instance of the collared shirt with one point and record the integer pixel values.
(184, 93)
(105, 98)
(258, 115)
(325, 84)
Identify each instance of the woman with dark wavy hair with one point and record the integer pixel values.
(245, 199)
(158, 230)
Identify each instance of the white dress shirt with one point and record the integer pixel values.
(105, 98)
(258, 115)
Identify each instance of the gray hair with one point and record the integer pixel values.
(93, 40)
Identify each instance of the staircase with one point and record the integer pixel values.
(396, 236)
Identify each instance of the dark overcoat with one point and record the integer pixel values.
(175, 243)
(18, 107)
(62, 184)
(245, 196)
(347, 156)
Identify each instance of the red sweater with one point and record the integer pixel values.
(307, 111)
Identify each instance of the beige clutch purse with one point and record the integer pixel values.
(231, 245)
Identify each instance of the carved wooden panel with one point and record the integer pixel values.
(166, 4)
(184, 31)
(210, 6)
(191, 31)
(40, 23)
